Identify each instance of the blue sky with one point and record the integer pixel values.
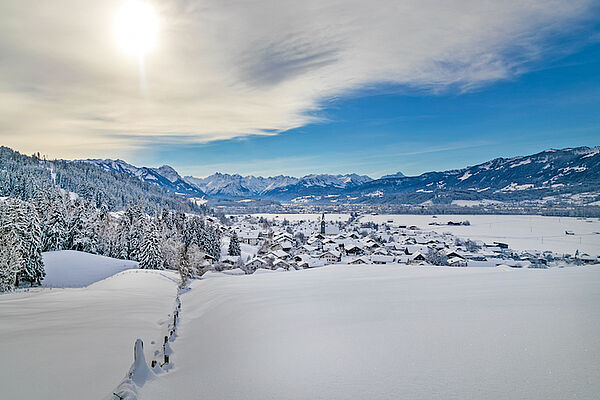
(296, 87)
(393, 129)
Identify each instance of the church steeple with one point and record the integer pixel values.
(323, 224)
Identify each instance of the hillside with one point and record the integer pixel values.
(569, 176)
(21, 176)
(549, 173)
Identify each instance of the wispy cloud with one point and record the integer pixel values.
(230, 68)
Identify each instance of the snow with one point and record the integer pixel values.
(520, 232)
(514, 186)
(377, 193)
(304, 217)
(593, 151)
(388, 332)
(465, 176)
(524, 162)
(235, 271)
(78, 343)
(575, 169)
(473, 203)
(68, 268)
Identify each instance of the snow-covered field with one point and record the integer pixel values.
(521, 232)
(388, 332)
(303, 217)
(78, 343)
(69, 268)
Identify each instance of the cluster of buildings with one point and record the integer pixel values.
(282, 244)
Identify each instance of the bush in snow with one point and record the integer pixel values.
(435, 257)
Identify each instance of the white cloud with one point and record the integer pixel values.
(227, 68)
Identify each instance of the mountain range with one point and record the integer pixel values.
(538, 176)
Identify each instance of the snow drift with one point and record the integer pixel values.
(69, 268)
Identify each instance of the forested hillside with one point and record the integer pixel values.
(58, 205)
(22, 176)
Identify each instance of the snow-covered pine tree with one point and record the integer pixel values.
(85, 236)
(190, 231)
(213, 244)
(234, 245)
(149, 253)
(19, 218)
(32, 269)
(56, 225)
(10, 261)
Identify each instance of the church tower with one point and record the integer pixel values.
(323, 224)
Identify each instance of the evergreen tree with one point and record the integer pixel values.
(31, 250)
(149, 255)
(234, 245)
(10, 261)
(213, 243)
(19, 219)
(56, 225)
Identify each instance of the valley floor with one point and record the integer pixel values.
(388, 332)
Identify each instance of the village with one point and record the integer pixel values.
(281, 244)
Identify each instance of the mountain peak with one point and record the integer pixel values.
(396, 175)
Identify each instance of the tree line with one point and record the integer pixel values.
(59, 220)
(64, 205)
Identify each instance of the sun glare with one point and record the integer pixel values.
(136, 27)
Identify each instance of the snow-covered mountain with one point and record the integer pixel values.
(396, 175)
(228, 186)
(549, 173)
(225, 185)
(164, 176)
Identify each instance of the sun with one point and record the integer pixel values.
(136, 27)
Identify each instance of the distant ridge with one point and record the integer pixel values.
(553, 172)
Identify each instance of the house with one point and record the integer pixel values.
(417, 258)
(279, 263)
(382, 259)
(286, 245)
(330, 256)
(278, 254)
(359, 260)
(229, 260)
(256, 263)
(250, 238)
(354, 250)
(453, 254)
(276, 246)
(306, 249)
(457, 262)
(381, 251)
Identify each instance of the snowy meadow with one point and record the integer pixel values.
(335, 332)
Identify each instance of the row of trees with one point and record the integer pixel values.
(55, 219)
